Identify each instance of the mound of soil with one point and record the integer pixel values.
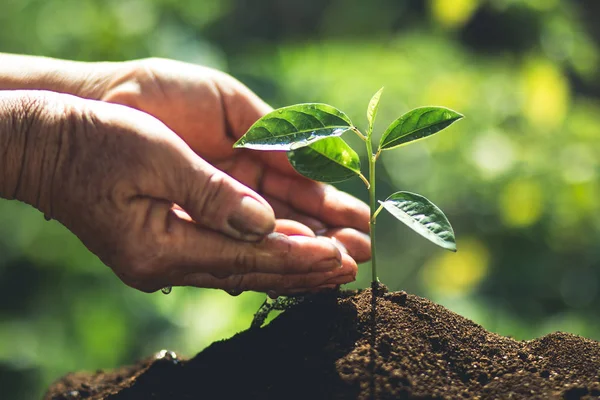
(329, 348)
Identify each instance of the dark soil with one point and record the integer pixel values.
(325, 349)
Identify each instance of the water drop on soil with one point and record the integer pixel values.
(167, 355)
(166, 289)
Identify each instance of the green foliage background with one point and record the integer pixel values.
(518, 178)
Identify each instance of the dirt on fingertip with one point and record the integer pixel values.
(339, 346)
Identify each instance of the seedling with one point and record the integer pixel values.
(311, 136)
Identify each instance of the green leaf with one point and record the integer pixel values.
(417, 124)
(295, 126)
(372, 109)
(422, 216)
(328, 160)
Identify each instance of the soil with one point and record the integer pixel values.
(328, 348)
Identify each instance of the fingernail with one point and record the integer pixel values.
(314, 224)
(337, 244)
(252, 219)
(278, 241)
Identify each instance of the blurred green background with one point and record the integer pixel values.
(518, 178)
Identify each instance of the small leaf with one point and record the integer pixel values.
(372, 109)
(417, 124)
(295, 126)
(328, 160)
(422, 216)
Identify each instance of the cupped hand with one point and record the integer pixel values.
(159, 215)
(210, 110)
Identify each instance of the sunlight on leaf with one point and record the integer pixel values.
(417, 124)
(422, 216)
(372, 109)
(328, 160)
(295, 126)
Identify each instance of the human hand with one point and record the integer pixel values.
(210, 110)
(113, 175)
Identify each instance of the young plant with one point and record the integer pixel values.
(311, 136)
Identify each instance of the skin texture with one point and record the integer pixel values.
(147, 178)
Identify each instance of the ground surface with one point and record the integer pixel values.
(325, 349)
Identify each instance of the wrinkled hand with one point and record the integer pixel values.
(116, 179)
(210, 110)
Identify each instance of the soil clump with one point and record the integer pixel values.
(329, 348)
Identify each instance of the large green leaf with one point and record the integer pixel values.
(422, 216)
(328, 160)
(372, 109)
(417, 124)
(295, 126)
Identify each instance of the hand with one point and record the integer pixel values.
(210, 110)
(112, 175)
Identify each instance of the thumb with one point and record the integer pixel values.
(217, 201)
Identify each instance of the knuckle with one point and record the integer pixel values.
(289, 263)
(127, 94)
(29, 108)
(210, 197)
(245, 262)
(127, 89)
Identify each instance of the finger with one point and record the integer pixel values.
(290, 228)
(242, 109)
(244, 169)
(242, 106)
(196, 249)
(304, 291)
(284, 211)
(357, 244)
(257, 282)
(336, 243)
(318, 200)
(280, 284)
(216, 200)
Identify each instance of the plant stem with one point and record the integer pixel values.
(372, 205)
(359, 133)
(374, 217)
(365, 180)
(377, 154)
